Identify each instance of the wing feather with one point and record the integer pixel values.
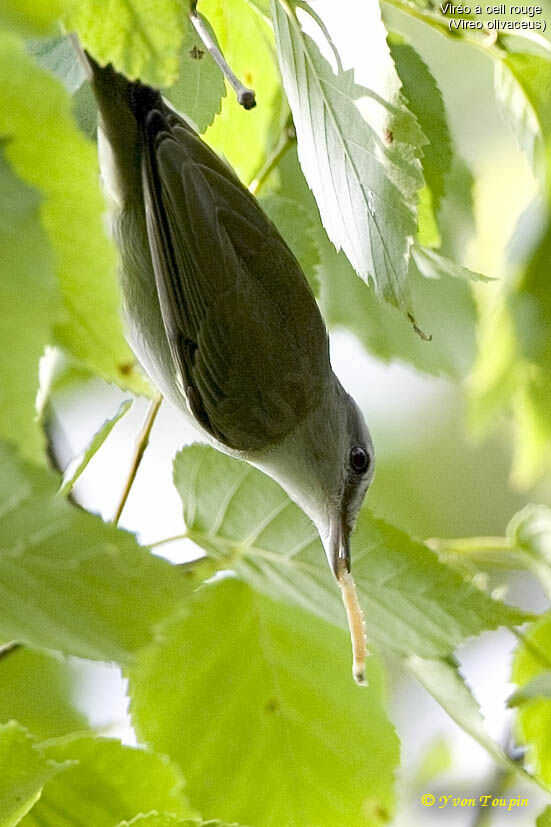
(244, 329)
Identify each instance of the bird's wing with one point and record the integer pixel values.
(243, 326)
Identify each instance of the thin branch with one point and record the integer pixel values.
(245, 97)
(288, 138)
(142, 442)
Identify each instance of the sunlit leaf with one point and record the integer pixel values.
(24, 769)
(46, 150)
(164, 820)
(533, 659)
(544, 820)
(109, 783)
(242, 137)
(359, 149)
(412, 603)
(140, 38)
(301, 743)
(200, 87)
(30, 18)
(69, 582)
(31, 305)
(80, 462)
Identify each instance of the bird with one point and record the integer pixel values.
(219, 313)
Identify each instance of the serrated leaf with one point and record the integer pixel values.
(69, 582)
(359, 149)
(80, 462)
(47, 150)
(243, 137)
(200, 87)
(24, 769)
(293, 222)
(426, 103)
(31, 305)
(433, 265)
(140, 38)
(445, 307)
(533, 723)
(443, 679)
(37, 689)
(297, 746)
(109, 783)
(412, 602)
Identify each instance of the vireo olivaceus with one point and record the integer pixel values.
(220, 314)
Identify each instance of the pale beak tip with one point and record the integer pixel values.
(360, 677)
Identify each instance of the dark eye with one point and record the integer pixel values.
(359, 459)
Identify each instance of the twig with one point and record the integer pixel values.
(142, 442)
(246, 97)
(287, 139)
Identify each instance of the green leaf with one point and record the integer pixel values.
(58, 56)
(37, 689)
(533, 724)
(523, 87)
(538, 687)
(445, 306)
(243, 137)
(425, 102)
(69, 582)
(294, 723)
(110, 782)
(46, 150)
(200, 87)
(31, 304)
(442, 678)
(79, 463)
(433, 265)
(140, 38)
(359, 149)
(412, 602)
(294, 223)
(165, 820)
(544, 820)
(24, 769)
(30, 18)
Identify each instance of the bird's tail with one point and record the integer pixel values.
(123, 106)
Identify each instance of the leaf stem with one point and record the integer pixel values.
(245, 97)
(142, 442)
(287, 139)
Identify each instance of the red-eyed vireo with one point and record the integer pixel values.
(220, 314)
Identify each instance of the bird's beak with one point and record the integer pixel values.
(337, 547)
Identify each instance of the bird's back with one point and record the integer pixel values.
(244, 343)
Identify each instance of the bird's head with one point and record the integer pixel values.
(326, 465)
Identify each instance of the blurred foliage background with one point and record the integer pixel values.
(461, 425)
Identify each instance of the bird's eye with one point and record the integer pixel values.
(359, 459)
